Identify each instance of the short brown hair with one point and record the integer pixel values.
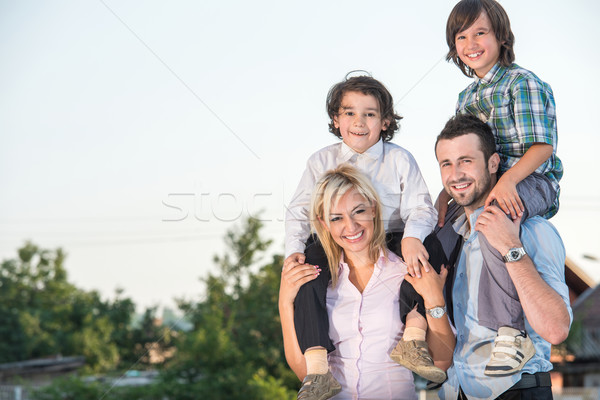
(464, 124)
(369, 86)
(464, 14)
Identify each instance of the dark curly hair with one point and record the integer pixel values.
(464, 14)
(368, 86)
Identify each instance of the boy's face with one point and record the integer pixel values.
(359, 121)
(477, 46)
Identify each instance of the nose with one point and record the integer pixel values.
(456, 173)
(358, 120)
(350, 223)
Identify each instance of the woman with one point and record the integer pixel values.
(362, 299)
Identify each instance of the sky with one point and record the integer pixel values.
(134, 134)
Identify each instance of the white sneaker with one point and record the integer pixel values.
(512, 349)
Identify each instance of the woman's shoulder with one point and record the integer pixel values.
(392, 260)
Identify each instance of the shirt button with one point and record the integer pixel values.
(462, 337)
(461, 274)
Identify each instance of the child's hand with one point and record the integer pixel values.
(414, 253)
(295, 258)
(441, 205)
(505, 194)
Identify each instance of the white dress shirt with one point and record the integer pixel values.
(406, 203)
(364, 329)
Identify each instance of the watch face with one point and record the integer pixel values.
(437, 312)
(514, 254)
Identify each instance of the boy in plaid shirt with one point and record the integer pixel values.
(520, 110)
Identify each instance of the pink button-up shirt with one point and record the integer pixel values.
(365, 327)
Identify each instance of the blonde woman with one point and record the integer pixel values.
(362, 298)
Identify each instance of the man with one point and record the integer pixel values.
(534, 262)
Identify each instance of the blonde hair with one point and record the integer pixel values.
(330, 188)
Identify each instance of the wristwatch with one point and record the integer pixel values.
(436, 312)
(514, 254)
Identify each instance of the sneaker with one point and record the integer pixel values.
(414, 355)
(319, 387)
(512, 349)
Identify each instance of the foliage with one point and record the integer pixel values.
(233, 351)
(42, 314)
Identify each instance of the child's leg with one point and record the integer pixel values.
(537, 194)
(312, 329)
(500, 309)
(310, 308)
(501, 306)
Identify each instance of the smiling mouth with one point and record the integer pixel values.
(354, 237)
(475, 55)
(461, 186)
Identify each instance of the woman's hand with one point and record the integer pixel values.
(430, 286)
(294, 275)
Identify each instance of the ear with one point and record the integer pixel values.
(494, 163)
(385, 125)
(336, 123)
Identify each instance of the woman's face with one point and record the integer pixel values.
(351, 223)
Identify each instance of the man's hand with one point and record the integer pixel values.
(505, 194)
(441, 205)
(414, 253)
(500, 231)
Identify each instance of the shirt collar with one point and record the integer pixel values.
(374, 152)
(380, 263)
(463, 227)
(493, 75)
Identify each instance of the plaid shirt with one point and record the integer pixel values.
(519, 107)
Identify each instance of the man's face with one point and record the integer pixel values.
(466, 176)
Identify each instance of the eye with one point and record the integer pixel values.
(371, 115)
(480, 33)
(460, 37)
(349, 113)
(333, 219)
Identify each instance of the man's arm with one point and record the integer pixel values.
(545, 309)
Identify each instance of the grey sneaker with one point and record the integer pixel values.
(319, 387)
(512, 349)
(414, 355)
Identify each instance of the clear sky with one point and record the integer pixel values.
(134, 133)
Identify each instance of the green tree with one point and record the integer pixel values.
(42, 314)
(235, 350)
